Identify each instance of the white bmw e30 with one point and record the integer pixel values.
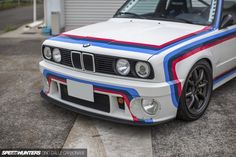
(155, 60)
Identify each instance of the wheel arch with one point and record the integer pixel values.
(209, 61)
(189, 63)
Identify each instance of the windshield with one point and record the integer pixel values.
(200, 12)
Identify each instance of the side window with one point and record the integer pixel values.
(230, 8)
(205, 8)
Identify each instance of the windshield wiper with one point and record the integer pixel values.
(171, 19)
(184, 20)
(129, 13)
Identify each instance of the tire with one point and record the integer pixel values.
(196, 92)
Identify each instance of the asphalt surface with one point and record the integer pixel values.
(27, 121)
(17, 17)
(212, 135)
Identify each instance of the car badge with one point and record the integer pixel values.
(86, 45)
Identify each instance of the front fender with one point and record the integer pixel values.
(182, 67)
(174, 69)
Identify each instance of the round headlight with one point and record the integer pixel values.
(142, 69)
(56, 54)
(47, 53)
(123, 67)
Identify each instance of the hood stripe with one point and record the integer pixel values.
(128, 46)
(127, 43)
(104, 45)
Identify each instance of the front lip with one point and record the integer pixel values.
(95, 115)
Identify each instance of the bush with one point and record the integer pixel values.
(8, 4)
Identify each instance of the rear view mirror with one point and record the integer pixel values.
(227, 21)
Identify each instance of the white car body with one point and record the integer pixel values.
(171, 48)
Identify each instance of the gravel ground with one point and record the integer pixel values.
(212, 135)
(27, 121)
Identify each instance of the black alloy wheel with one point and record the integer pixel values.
(196, 93)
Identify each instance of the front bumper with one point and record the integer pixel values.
(95, 115)
(112, 87)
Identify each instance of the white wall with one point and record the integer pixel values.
(80, 13)
(54, 6)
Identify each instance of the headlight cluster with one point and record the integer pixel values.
(123, 67)
(140, 68)
(52, 54)
(101, 63)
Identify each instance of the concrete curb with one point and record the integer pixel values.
(21, 33)
(105, 139)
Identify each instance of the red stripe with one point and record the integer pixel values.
(184, 37)
(56, 78)
(224, 73)
(177, 60)
(138, 44)
(97, 89)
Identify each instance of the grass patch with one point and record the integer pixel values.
(9, 4)
(9, 28)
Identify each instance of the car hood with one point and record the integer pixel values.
(137, 35)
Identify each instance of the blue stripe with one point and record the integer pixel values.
(134, 49)
(147, 121)
(132, 92)
(183, 50)
(189, 46)
(105, 45)
(230, 73)
(184, 40)
(131, 48)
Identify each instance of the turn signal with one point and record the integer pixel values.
(121, 102)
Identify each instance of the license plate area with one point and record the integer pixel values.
(80, 90)
(101, 101)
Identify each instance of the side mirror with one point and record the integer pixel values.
(227, 21)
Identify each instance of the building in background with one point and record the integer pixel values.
(76, 13)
